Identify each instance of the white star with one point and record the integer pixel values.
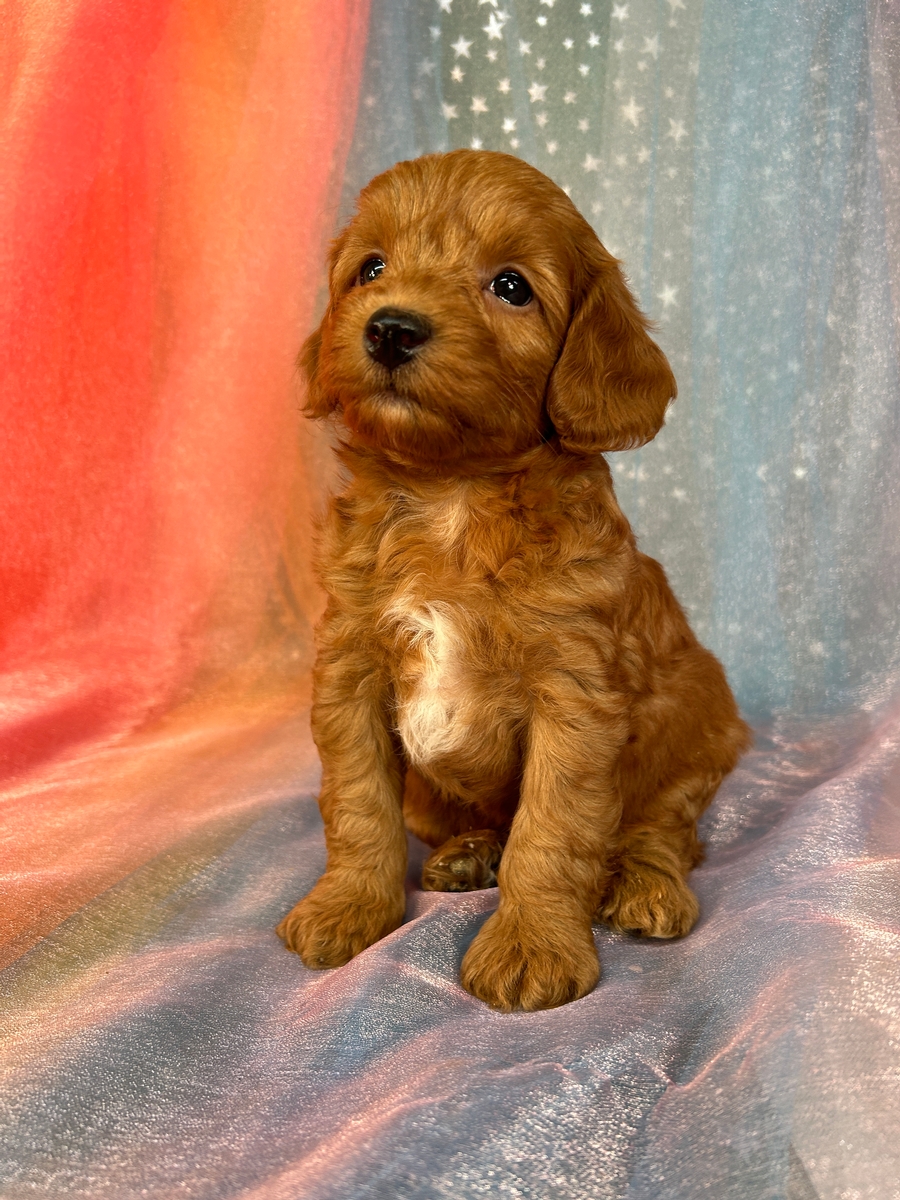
(667, 296)
(619, 45)
(492, 3)
(541, 20)
(494, 27)
(524, 48)
(509, 124)
(426, 67)
(583, 69)
(491, 55)
(584, 124)
(450, 113)
(478, 105)
(548, 3)
(461, 48)
(586, 10)
(673, 4)
(476, 143)
(457, 74)
(552, 147)
(596, 209)
(632, 111)
(568, 43)
(540, 63)
(444, 5)
(570, 98)
(542, 119)
(537, 91)
(651, 46)
(669, 93)
(503, 86)
(435, 31)
(620, 12)
(676, 130)
(593, 40)
(590, 163)
(643, 155)
(514, 143)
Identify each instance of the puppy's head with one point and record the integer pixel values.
(473, 313)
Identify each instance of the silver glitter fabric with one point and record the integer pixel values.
(187, 1053)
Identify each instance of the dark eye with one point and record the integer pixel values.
(371, 269)
(511, 287)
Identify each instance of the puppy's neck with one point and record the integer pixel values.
(545, 466)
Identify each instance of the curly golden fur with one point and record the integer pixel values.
(498, 665)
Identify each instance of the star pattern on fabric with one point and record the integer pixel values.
(494, 27)
(632, 111)
(586, 93)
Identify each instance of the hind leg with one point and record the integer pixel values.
(688, 736)
(465, 859)
(648, 891)
(427, 815)
(465, 863)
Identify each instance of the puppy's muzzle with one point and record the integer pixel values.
(393, 336)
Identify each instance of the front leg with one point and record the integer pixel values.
(361, 897)
(537, 950)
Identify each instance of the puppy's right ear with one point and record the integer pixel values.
(319, 402)
(320, 399)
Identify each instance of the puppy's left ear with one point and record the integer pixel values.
(612, 384)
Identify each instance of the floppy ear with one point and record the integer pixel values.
(612, 384)
(319, 402)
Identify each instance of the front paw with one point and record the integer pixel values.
(333, 924)
(517, 962)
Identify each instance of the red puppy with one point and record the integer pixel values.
(498, 665)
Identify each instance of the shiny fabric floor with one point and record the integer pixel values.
(162, 1043)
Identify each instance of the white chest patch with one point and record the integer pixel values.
(430, 717)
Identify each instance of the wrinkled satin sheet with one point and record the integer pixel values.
(161, 1041)
(169, 187)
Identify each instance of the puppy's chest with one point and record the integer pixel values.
(453, 663)
(434, 675)
(455, 631)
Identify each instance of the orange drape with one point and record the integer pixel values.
(169, 181)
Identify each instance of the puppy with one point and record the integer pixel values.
(498, 666)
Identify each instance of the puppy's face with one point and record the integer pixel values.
(452, 293)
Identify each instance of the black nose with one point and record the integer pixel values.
(393, 336)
